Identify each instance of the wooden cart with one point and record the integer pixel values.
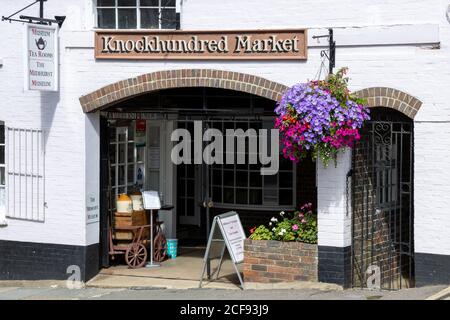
(136, 251)
(133, 241)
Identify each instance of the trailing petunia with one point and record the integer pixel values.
(319, 117)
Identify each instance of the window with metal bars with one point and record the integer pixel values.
(2, 175)
(23, 173)
(136, 14)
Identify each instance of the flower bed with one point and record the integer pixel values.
(284, 250)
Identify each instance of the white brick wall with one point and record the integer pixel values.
(72, 143)
(333, 219)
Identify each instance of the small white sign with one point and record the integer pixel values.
(151, 200)
(234, 235)
(41, 57)
(92, 209)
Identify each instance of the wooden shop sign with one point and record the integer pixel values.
(185, 45)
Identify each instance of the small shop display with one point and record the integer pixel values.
(124, 204)
(130, 231)
(137, 202)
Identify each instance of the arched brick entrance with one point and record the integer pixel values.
(391, 98)
(160, 80)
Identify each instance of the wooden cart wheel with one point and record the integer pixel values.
(136, 255)
(160, 247)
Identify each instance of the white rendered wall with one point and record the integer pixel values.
(418, 68)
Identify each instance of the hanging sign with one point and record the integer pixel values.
(235, 44)
(228, 232)
(41, 57)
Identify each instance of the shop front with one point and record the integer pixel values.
(139, 145)
(139, 87)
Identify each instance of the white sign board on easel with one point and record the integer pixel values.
(228, 231)
(41, 57)
(234, 236)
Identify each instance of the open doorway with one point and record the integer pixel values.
(138, 156)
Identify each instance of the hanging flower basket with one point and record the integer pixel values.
(320, 117)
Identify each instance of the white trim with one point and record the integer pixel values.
(404, 34)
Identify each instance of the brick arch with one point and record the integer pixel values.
(391, 98)
(160, 80)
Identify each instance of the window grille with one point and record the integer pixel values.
(25, 183)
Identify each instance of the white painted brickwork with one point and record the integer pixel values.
(417, 68)
(333, 217)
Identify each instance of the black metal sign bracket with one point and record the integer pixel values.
(330, 54)
(38, 20)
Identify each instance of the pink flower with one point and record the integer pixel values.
(303, 221)
(295, 227)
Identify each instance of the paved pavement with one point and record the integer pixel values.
(57, 292)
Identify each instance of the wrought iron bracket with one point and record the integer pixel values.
(330, 54)
(38, 20)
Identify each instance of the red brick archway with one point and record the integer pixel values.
(160, 80)
(391, 98)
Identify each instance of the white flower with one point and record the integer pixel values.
(282, 213)
(283, 230)
(280, 233)
(274, 219)
(270, 223)
(273, 229)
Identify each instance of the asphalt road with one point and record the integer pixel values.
(62, 293)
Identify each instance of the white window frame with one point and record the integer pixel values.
(138, 7)
(115, 165)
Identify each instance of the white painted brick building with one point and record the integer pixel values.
(403, 45)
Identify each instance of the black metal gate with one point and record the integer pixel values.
(382, 202)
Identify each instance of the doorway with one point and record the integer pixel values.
(191, 188)
(382, 202)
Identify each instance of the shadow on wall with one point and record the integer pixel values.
(49, 102)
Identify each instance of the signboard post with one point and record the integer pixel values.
(41, 57)
(228, 232)
(151, 202)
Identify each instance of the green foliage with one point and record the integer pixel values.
(283, 231)
(261, 233)
(300, 225)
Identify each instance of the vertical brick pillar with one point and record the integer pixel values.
(334, 221)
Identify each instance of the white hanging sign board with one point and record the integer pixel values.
(41, 57)
(151, 200)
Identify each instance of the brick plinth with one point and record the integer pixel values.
(277, 261)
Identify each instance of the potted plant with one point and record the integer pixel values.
(320, 116)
